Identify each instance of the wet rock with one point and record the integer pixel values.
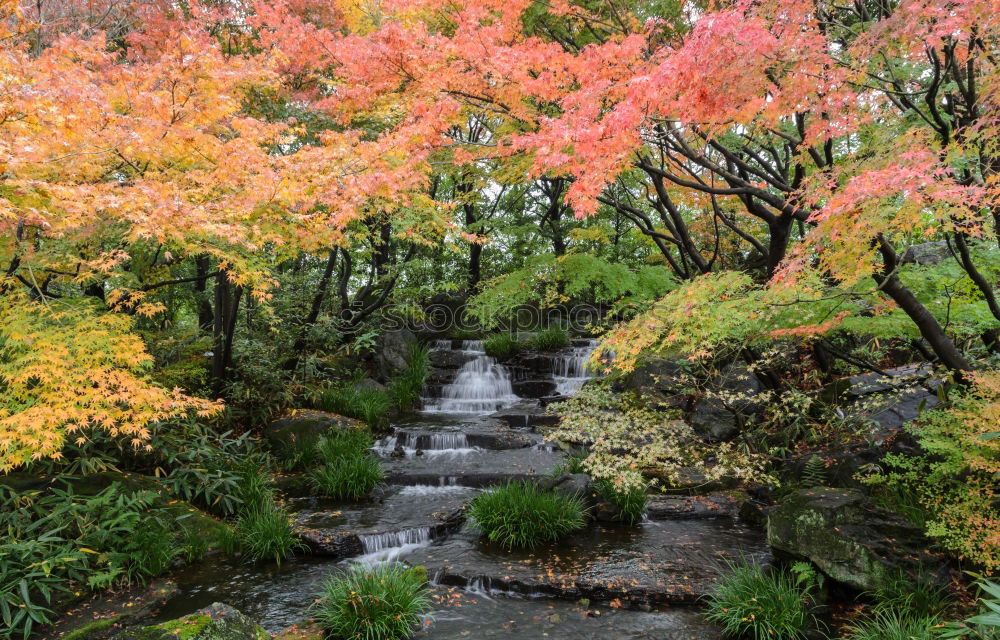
(926, 253)
(730, 399)
(571, 485)
(534, 388)
(392, 351)
(215, 622)
(525, 418)
(888, 401)
(848, 538)
(306, 630)
(447, 359)
(104, 614)
(672, 562)
(753, 512)
(534, 363)
(722, 505)
(305, 424)
(661, 380)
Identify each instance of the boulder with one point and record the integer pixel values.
(534, 388)
(926, 253)
(729, 399)
(571, 485)
(848, 538)
(393, 351)
(662, 381)
(447, 359)
(306, 424)
(215, 622)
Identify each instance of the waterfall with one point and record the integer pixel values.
(569, 369)
(387, 547)
(448, 444)
(481, 386)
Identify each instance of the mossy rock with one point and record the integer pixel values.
(215, 622)
(303, 631)
(306, 424)
(198, 526)
(848, 538)
(418, 573)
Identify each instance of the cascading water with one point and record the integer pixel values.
(448, 444)
(569, 369)
(481, 386)
(387, 547)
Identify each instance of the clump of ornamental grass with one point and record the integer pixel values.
(917, 594)
(501, 345)
(631, 501)
(349, 478)
(265, 532)
(520, 515)
(347, 469)
(750, 602)
(551, 339)
(896, 625)
(384, 602)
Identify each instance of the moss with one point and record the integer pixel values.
(91, 630)
(418, 573)
(181, 629)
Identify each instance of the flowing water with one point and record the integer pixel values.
(435, 464)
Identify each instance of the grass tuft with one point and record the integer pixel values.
(501, 346)
(631, 502)
(551, 339)
(380, 603)
(895, 625)
(520, 515)
(751, 603)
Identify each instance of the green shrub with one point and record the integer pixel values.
(404, 390)
(749, 602)
(630, 501)
(550, 339)
(895, 625)
(985, 625)
(380, 603)
(501, 346)
(573, 463)
(348, 443)
(916, 594)
(263, 532)
(55, 537)
(518, 515)
(370, 405)
(348, 478)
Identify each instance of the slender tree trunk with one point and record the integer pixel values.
(205, 316)
(227, 302)
(930, 329)
(314, 309)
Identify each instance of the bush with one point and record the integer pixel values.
(404, 390)
(551, 339)
(895, 625)
(518, 515)
(56, 537)
(631, 501)
(380, 603)
(749, 602)
(348, 478)
(917, 594)
(501, 345)
(263, 531)
(370, 405)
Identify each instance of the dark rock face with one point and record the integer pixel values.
(662, 381)
(730, 399)
(305, 424)
(215, 622)
(447, 359)
(849, 539)
(888, 401)
(393, 349)
(572, 485)
(534, 388)
(926, 253)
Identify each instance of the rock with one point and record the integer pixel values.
(849, 539)
(571, 485)
(393, 351)
(215, 622)
(306, 630)
(306, 424)
(887, 401)
(104, 614)
(713, 421)
(368, 384)
(719, 505)
(447, 359)
(662, 381)
(926, 253)
(534, 388)
(753, 512)
(730, 398)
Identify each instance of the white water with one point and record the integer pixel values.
(432, 445)
(430, 489)
(388, 547)
(569, 370)
(481, 386)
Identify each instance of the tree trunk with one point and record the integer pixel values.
(205, 316)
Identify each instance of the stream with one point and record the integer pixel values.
(608, 580)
